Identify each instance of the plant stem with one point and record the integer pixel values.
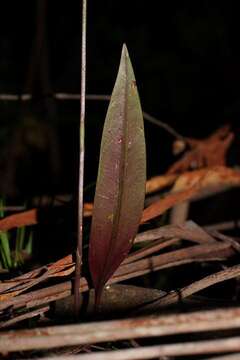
(81, 160)
(5, 251)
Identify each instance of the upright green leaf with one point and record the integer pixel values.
(120, 189)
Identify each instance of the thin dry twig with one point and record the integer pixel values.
(68, 335)
(175, 296)
(94, 97)
(149, 250)
(78, 260)
(171, 259)
(164, 125)
(25, 316)
(226, 225)
(226, 357)
(178, 349)
(226, 238)
(188, 231)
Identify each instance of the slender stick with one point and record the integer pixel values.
(192, 348)
(25, 316)
(224, 357)
(81, 160)
(165, 126)
(210, 280)
(94, 97)
(114, 330)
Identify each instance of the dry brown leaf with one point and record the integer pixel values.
(170, 200)
(9, 295)
(28, 217)
(19, 281)
(191, 184)
(178, 146)
(209, 179)
(14, 287)
(65, 272)
(186, 186)
(207, 152)
(157, 183)
(87, 209)
(216, 175)
(60, 264)
(62, 267)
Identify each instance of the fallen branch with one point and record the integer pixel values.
(226, 225)
(92, 97)
(226, 238)
(205, 152)
(193, 288)
(30, 217)
(173, 258)
(25, 316)
(226, 357)
(68, 335)
(160, 182)
(24, 218)
(180, 349)
(188, 231)
(149, 250)
(159, 207)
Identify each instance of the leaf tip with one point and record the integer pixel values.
(125, 51)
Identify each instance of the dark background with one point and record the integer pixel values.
(186, 59)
